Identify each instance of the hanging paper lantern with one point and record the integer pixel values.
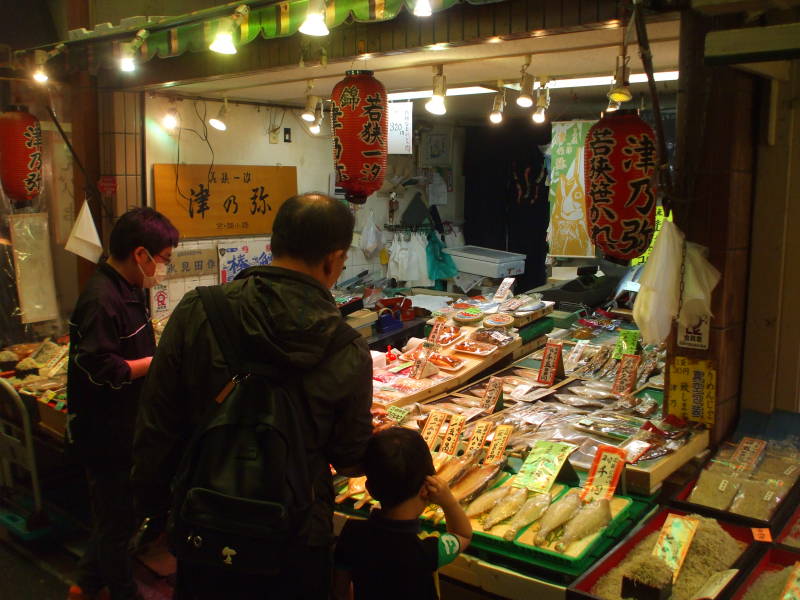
(20, 155)
(621, 160)
(360, 123)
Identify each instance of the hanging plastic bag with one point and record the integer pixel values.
(370, 236)
(657, 302)
(440, 264)
(700, 279)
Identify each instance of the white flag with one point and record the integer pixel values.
(83, 239)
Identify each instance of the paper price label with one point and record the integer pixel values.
(762, 534)
(604, 474)
(479, 436)
(494, 389)
(453, 434)
(436, 331)
(499, 443)
(49, 395)
(504, 290)
(748, 452)
(627, 343)
(421, 362)
(399, 367)
(432, 426)
(715, 584)
(542, 465)
(674, 541)
(551, 367)
(792, 589)
(626, 374)
(635, 449)
(398, 413)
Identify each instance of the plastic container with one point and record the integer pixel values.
(487, 262)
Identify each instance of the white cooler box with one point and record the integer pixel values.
(487, 262)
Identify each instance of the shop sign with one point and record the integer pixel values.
(107, 185)
(400, 126)
(552, 365)
(453, 434)
(235, 257)
(222, 200)
(432, 426)
(542, 465)
(192, 262)
(626, 374)
(494, 391)
(605, 473)
(674, 540)
(499, 442)
(692, 389)
(479, 436)
(695, 336)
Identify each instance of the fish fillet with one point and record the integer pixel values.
(590, 518)
(474, 482)
(533, 508)
(507, 507)
(486, 501)
(559, 513)
(456, 468)
(355, 485)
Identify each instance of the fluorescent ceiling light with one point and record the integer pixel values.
(600, 81)
(460, 91)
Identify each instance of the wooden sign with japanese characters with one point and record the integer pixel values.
(222, 200)
(552, 366)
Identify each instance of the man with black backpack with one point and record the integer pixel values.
(256, 387)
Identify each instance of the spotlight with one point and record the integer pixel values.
(436, 104)
(314, 23)
(620, 92)
(496, 116)
(223, 39)
(525, 98)
(542, 103)
(310, 111)
(171, 119)
(218, 122)
(40, 58)
(316, 126)
(422, 8)
(128, 50)
(612, 106)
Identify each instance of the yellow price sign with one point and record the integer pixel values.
(692, 392)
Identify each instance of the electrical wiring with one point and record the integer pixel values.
(203, 138)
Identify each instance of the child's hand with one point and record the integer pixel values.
(437, 491)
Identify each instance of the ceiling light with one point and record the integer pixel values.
(525, 98)
(218, 122)
(496, 116)
(128, 50)
(458, 91)
(314, 23)
(171, 119)
(542, 103)
(439, 46)
(422, 8)
(309, 112)
(620, 90)
(436, 104)
(40, 58)
(316, 126)
(612, 106)
(223, 39)
(604, 81)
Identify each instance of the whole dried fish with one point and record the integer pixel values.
(608, 368)
(590, 392)
(468, 402)
(596, 384)
(557, 514)
(454, 469)
(590, 518)
(355, 485)
(579, 401)
(474, 482)
(598, 360)
(486, 501)
(533, 508)
(648, 368)
(507, 507)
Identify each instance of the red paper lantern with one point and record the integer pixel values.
(621, 159)
(360, 123)
(20, 155)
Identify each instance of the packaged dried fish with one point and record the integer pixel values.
(534, 507)
(579, 401)
(486, 501)
(649, 367)
(715, 490)
(591, 392)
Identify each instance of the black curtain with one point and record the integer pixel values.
(505, 204)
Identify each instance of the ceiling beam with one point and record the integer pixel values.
(723, 7)
(753, 44)
(776, 69)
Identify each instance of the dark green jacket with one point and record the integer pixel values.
(288, 319)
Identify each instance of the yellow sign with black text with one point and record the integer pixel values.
(693, 389)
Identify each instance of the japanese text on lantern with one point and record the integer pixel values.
(33, 141)
(602, 143)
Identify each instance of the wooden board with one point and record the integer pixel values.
(222, 200)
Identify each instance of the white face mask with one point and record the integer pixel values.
(157, 277)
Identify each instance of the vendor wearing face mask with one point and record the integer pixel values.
(111, 346)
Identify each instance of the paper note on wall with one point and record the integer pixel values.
(236, 257)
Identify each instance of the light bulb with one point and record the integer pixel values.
(539, 115)
(127, 64)
(422, 8)
(436, 105)
(314, 128)
(170, 120)
(218, 122)
(309, 112)
(223, 43)
(612, 106)
(525, 98)
(40, 76)
(314, 23)
(620, 93)
(496, 116)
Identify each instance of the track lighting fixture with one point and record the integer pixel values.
(422, 8)
(316, 126)
(310, 111)
(436, 104)
(525, 98)
(314, 23)
(498, 105)
(128, 50)
(620, 90)
(542, 103)
(40, 58)
(218, 122)
(171, 119)
(223, 39)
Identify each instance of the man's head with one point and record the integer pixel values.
(142, 240)
(396, 463)
(315, 230)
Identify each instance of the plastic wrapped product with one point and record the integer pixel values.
(715, 490)
(778, 467)
(758, 499)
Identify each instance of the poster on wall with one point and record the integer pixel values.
(236, 257)
(222, 200)
(435, 148)
(400, 123)
(567, 233)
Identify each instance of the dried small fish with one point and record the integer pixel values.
(486, 501)
(355, 485)
(454, 469)
(533, 508)
(561, 511)
(590, 518)
(474, 482)
(507, 507)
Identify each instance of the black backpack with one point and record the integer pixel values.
(242, 496)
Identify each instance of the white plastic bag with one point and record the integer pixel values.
(658, 299)
(700, 279)
(370, 236)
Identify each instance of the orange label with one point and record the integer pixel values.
(493, 391)
(604, 474)
(761, 534)
(436, 330)
(499, 443)
(551, 366)
(479, 436)
(748, 452)
(453, 434)
(626, 374)
(674, 540)
(432, 426)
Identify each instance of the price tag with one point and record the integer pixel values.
(432, 426)
(422, 360)
(499, 443)
(536, 419)
(604, 474)
(49, 395)
(551, 367)
(674, 541)
(635, 449)
(792, 589)
(522, 389)
(399, 367)
(693, 389)
(60, 405)
(542, 465)
(453, 434)
(502, 293)
(627, 343)
(626, 374)
(748, 452)
(515, 303)
(494, 390)
(762, 534)
(715, 584)
(436, 331)
(478, 438)
(398, 413)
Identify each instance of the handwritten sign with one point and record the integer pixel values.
(494, 390)
(692, 390)
(400, 119)
(499, 442)
(453, 434)
(397, 413)
(792, 589)
(502, 293)
(715, 584)
(627, 343)
(748, 452)
(674, 540)
(626, 374)
(192, 262)
(479, 436)
(436, 331)
(222, 200)
(542, 465)
(551, 367)
(604, 474)
(421, 361)
(432, 426)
